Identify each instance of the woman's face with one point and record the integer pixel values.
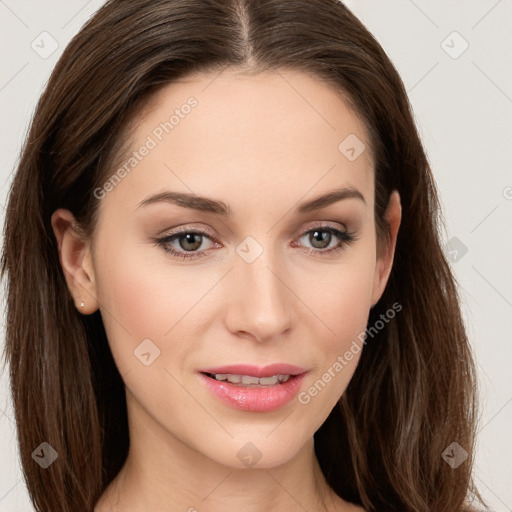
(267, 276)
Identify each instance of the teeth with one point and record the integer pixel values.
(269, 381)
(234, 379)
(248, 380)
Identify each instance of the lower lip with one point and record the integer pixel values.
(255, 399)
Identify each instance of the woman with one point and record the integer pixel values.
(231, 228)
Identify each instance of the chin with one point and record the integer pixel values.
(257, 452)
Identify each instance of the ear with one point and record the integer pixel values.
(384, 264)
(76, 260)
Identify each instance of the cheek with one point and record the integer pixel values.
(341, 304)
(340, 297)
(131, 298)
(142, 299)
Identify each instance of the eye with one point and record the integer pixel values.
(186, 244)
(327, 239)
(183, 242)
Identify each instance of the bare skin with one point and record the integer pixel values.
(262, 148)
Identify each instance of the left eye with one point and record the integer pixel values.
(321, 238)
(191, 241)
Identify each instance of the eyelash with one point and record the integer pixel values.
(345, 238)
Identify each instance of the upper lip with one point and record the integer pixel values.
(257, 371)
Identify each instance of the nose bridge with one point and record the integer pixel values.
(260, 303)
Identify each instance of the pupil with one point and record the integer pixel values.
(320, 237)
(192, 241)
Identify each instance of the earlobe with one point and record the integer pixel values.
(384, 265)
(75, 260)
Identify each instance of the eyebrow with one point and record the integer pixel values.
(220, 208)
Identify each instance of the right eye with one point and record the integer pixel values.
(182, 242)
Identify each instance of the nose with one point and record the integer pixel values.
(261, 304)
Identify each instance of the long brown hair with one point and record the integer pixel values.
(413, 392)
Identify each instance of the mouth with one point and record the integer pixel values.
(237, 372)
(254, 389)
(249, 380)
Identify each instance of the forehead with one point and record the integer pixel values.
(214, 134)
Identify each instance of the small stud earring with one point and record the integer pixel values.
(82, 304)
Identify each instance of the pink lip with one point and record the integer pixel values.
(255, 398)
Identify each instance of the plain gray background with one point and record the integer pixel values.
(462, 99)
